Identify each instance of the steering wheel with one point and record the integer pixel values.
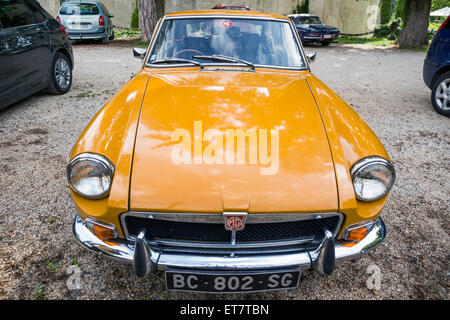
(195, 52)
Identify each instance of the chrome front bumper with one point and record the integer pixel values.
(145, 259)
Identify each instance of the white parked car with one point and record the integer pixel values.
(86, 20)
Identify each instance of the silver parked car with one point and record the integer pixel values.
(86, 20)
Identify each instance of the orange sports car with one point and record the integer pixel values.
(227, 163)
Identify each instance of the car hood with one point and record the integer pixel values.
(183, 102)
(320, 27)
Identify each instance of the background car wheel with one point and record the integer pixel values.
(105, 40)
(325, 43)
(440, 94)
(111, 37)
(60, 75)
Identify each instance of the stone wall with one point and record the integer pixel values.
(274, 6)
(121, 9)
(350, 16)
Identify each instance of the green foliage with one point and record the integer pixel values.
(375, 41)
(38, 293)
(127, 33)
(52, 267)
(402, 11)
(385, 11)
(439, 4)
(135, 18)
(394, 29)
(304, 8)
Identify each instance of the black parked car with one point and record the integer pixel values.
(35, 53)
(311, 29)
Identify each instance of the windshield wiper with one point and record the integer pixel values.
(177, 60)
(226, 59)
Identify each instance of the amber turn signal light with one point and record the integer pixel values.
(357, 234)
(103, 231)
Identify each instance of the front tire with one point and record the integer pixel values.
(60, 75)
(111, 37)
(325, 42)
(440, 94)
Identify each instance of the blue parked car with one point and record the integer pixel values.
(311, 29)
(436, 69)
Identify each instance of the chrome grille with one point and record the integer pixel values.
(213, 232)
(206, 234)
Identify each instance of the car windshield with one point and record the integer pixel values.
(259, 42)
(79, 9)
(309, 20)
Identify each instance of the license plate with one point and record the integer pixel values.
(327, 36)
(231, 282)
(80, 26)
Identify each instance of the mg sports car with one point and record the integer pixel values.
(226, 163)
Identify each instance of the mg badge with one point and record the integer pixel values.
(235, 221)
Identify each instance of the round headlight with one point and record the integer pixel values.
(373, 178)
(90, 175)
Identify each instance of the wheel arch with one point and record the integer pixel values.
(66, 53)
(440, 72)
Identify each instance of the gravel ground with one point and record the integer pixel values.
(384, 85)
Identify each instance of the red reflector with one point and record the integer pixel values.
(63, 29)
(101, 21)
(443, 25)
(61, 26)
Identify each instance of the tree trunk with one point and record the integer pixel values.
(416, 32)
(149, 13)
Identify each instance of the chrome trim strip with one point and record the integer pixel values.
(218, 218)
(124, 252)
(223, 245)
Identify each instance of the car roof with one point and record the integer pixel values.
(302, 15)
(214, 12)
(81, 2)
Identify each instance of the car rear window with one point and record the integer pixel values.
(79, 9)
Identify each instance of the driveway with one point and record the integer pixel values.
(383, 85)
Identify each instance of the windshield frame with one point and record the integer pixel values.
(244, 17)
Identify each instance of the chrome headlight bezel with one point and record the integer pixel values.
(97, 159)
(362, 165)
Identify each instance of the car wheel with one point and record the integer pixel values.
(111, 37)
(60, 75)
(325, 43)
(440, 94)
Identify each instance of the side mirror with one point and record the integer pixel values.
(139, 53)
(311, 56)
(111, 16)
